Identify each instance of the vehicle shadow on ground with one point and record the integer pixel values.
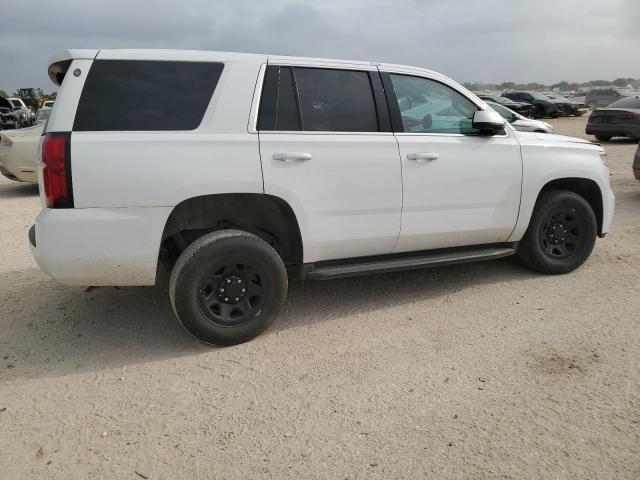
(18, 190)
(617, 141)
(70, 330)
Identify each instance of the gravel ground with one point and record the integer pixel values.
(472, 371)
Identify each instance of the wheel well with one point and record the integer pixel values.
(266, 216)
(587, 189)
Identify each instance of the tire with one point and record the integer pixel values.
(603, 138)
(234, 263)
(564, 214)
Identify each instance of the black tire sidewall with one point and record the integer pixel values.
(192, 265)
(531, 251)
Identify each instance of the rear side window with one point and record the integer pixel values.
(336, 100)
(278, 106)
(128, 95)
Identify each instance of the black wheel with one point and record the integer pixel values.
(561, 233)
(603, 138)
(227, 287)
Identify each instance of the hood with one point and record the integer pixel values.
(531, 137)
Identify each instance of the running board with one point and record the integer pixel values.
(388, 263)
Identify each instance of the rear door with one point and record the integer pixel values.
(327, 149)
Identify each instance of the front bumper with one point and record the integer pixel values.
(97, 246)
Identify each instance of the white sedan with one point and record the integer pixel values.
(18, 153)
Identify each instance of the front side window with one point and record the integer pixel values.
(427, 106)
(335, 100)
(504, 112)
(134, 95)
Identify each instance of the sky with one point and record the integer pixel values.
(494, 41)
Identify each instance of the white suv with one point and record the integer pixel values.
(235, 170)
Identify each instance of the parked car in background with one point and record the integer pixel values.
(636, 163)
(601, 97)
(445, 180)
(543, 106)
(620, 119)
(568, 107)
(24, 116)
(525, 109)
(19, 153)
(8, 118)
(520, 122)
(48, 104)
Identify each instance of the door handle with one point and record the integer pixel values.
(423, 156)
(291, 156)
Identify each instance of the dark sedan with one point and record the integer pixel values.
(620, 119)
(524, 109)
(543, 106)
(568, 107)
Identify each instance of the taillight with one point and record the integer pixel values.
(56, 170)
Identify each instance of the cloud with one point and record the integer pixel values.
(492, 40)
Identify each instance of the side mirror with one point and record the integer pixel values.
(488, 122)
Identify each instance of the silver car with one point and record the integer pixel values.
(519, 122)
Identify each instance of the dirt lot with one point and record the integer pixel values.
(478, 371)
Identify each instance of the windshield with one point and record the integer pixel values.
(626, 103)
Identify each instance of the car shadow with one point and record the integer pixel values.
(18, 190)
(617, 141)
(51, 331)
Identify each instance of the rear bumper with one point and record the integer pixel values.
(613, 130)
(96, 246)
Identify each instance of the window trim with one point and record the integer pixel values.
(383, 116)
(396, 117)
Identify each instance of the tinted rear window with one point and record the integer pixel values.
(278, 107)
(125, 95)
(336, 100)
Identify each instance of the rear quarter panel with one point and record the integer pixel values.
(163, 168)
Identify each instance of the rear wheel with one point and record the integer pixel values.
(561, 233)
(227, 287)
(603, 138)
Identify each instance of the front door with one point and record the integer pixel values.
(459, 187)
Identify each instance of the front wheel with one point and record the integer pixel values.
(227, 287)
(561, 233)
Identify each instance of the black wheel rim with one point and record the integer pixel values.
(231, 293)
(562, 234)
